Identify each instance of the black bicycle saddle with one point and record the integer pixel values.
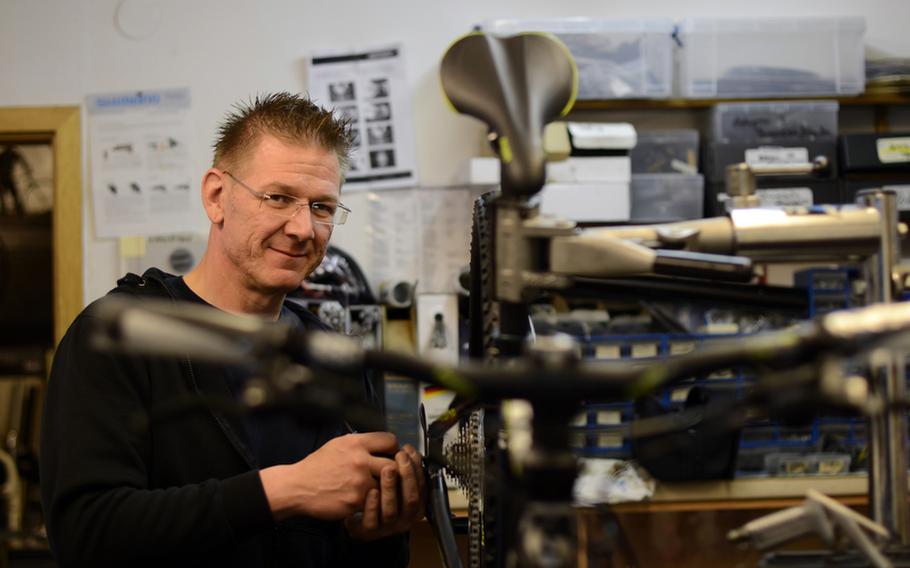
(516, 85)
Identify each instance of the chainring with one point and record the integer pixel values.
(486, 472)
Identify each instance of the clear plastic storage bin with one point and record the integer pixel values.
(748, 122)
(617, 59)
(665, 152)
(667, 197)
(771, 57)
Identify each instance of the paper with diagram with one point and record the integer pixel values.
(369, 87)
(141, 176)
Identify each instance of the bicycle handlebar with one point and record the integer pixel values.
(163, 328)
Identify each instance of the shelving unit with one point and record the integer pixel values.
(748, 493)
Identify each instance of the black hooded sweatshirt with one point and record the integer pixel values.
(180, 492)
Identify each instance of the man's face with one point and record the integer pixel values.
(273, 253)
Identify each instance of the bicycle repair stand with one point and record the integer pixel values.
(888, 434)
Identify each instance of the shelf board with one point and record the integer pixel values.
(868, 99)
(750, 493)
(744, 493)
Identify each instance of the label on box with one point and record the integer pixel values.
(602, 135)
(785, 197)
(644, 350)
(766, 155)
(607, 351)
(893, 150)
(903, 196)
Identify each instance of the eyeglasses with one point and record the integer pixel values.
(287, 206)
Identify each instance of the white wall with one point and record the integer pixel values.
(57, 51)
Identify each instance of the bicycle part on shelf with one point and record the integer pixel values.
(740, 183)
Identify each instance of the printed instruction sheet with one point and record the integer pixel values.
(141, 177)
(370, 88)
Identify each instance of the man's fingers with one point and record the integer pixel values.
(410, 490)
(378, 442)
(417, 461)
(412, 453)
(376, 464)
(370, 520)
(389, 495)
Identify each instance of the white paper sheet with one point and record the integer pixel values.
(393, 223)
(445, 238)
(420, 235)
(370, 87)
(141, 178)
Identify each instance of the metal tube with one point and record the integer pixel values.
(888, 433)
(739, 181)
(836, 233)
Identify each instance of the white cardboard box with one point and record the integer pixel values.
(587, 202)
(485, 171)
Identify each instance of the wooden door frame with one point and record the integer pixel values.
(61, 127)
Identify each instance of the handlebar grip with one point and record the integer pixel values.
(702, 265)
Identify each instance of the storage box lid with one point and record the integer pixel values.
(579, 25)
(766, 25)
(602, 135)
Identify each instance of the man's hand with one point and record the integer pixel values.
(397, 504)
(333, 482)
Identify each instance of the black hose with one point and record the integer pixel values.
(440, 516)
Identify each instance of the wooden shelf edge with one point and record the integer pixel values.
(737, 494)
(758, 493)
(868, 99)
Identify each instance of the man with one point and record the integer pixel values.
(212, 488)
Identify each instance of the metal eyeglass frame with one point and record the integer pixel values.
(340, 216)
